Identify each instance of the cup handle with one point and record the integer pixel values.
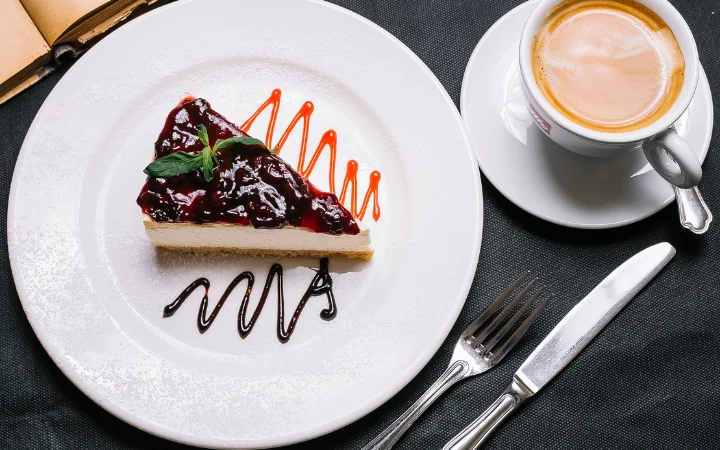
(687, 173)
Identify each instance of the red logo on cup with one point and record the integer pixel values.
(546, 127)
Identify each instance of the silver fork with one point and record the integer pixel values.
(476, 351)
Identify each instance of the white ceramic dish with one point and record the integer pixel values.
(94, 288)
(538, 175)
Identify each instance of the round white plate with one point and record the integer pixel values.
(538, 175)
(94, 288)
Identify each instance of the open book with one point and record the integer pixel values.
(35, 35)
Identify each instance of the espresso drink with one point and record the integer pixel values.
(611, 66)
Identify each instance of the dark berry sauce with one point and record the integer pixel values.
(250, 185)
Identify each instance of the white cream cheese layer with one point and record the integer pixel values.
(233, 236)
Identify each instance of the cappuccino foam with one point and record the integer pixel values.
(611, 65)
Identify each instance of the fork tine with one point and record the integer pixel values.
(522, 329)
(512, 321)
(477, 341)
(489, 310)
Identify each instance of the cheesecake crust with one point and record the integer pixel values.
(259, 252)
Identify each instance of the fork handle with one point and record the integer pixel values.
(389, 437)
(473, 436)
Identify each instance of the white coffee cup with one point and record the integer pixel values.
(655, 139)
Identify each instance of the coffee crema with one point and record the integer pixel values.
(608, 65)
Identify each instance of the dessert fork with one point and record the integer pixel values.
(479, 349)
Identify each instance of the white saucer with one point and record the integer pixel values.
(538, 175)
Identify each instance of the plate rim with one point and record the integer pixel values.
(465, 87)
(422, 359)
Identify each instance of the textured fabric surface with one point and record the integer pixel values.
(649, 381)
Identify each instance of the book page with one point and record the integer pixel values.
(22, 43)
(102, 27)
(32, 79)
(54, 17)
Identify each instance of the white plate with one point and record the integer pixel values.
(94, 288)
(535, 173)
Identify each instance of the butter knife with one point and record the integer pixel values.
(567, 340)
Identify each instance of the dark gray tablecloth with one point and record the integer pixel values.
(649, 381)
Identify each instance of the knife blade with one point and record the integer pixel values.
(567, 340)
(587, 318)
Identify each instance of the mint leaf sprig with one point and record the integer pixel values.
(179, 163)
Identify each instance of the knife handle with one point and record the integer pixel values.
(478, 431)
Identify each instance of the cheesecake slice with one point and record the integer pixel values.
(213, 188)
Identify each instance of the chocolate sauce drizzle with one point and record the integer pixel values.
(321, 284)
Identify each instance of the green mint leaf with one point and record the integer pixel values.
(180, 162)
(244, 140)
(174, 164)
(207, 163)
(203, 135)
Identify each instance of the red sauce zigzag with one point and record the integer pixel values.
(329, 140)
